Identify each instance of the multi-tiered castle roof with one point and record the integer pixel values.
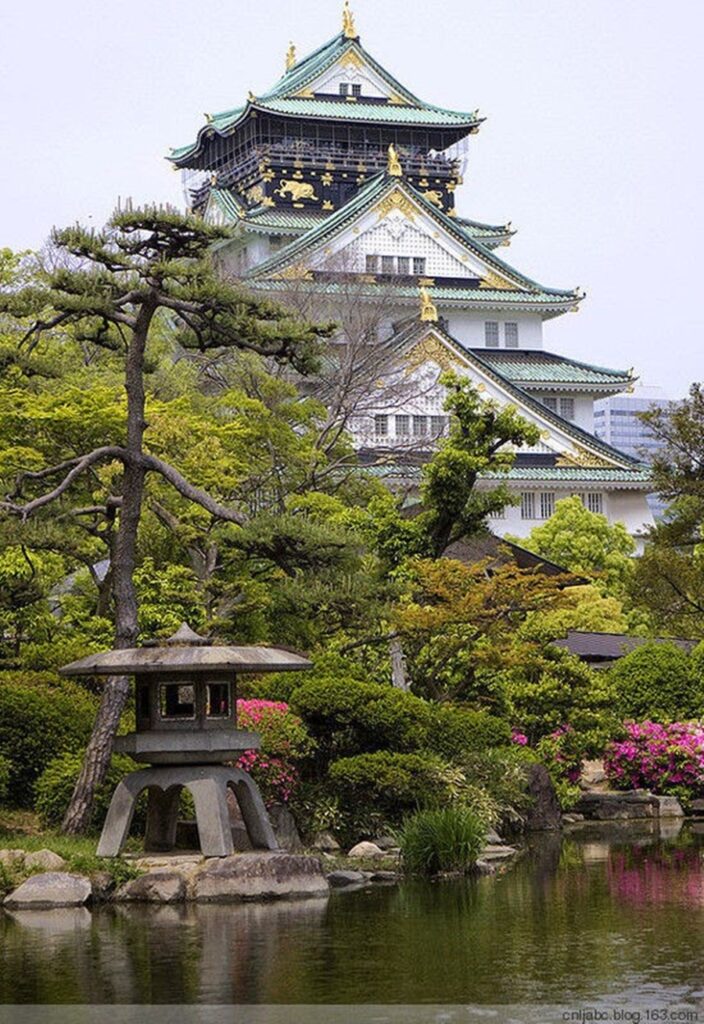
(339, 172)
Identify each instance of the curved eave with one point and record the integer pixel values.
(466, 298)
(372, 192)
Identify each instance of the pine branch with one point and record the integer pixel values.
(188, 490)
(80, 466)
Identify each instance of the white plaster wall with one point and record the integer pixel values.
(468, 327)
(620, 506)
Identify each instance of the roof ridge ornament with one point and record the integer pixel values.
(394, 164)
(348, 29)
(290, 56)
(428, 310)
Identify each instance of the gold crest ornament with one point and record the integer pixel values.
(296, 190)
(394, 164)
(428, 310)
(348, 29)
(290, 56)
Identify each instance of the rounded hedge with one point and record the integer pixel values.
(657, 682)
(393, 782)
(55, 785)
(456, 731)
(346, 717)
(41, 716)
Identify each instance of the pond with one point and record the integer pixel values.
(599, 916)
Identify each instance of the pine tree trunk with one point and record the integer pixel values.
(116, 690)
(399, 672)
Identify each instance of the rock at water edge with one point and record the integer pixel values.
(53, 889)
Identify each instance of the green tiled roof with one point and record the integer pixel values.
(527, 291)
(282, 99)
(582, 437)
(313, 64)
(535, 367)
(475, 229)
(539, 474)
(388, 113)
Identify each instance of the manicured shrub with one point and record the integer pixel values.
(442, 840)
(55, 785)
(662, 758)
(392, 782)
(5, 767)
(41, 716)
(656, 681)
(346, 717)
(455, 730)
(284, 744)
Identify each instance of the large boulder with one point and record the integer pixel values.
(342, 879)
(155, 887)
(53, 889)
(251, 876)
(632, 805)
(544, 812)
(285, 828)
(47, 860)
(365, 849)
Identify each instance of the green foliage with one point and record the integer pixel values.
(390, 781)
(55, 785)
(585, 543)
(439, 840)
(658, 682)
(455, 731)
(40, 717)
(5, 769)
(346, 717)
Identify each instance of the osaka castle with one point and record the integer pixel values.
(339, 186)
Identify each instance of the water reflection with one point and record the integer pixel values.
(581, 916)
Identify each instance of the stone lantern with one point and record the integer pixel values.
(186, 731)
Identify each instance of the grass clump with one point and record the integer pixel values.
(442, 840)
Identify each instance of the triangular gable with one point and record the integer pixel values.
(341, 60)
(428, 347)
(379, 216)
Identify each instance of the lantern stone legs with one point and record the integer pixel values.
(208, 785)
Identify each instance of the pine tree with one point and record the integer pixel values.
(113, 288)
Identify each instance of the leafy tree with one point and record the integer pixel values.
(658, 681)
(481, 444)
(113, 288)
(585, 543)
(669, 579)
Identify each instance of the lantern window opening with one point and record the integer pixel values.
(217, 700)
(177, 701)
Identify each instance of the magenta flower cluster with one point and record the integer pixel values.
(662, 758)
(283, 738)
(519, 737)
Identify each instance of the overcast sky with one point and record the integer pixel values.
(591, 145)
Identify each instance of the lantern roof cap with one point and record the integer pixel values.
(186, 653)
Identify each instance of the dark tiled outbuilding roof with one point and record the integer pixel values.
(611, 646)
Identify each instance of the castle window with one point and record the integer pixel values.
(491, 334)
(344, 89)
(438, 425)
(567, 408)
(511, 335)
(404, 265)
(372, 264)
(420, 426)
(388, 265)
(595, 502)
(550, 402)
(419, 264)
(381, 426)
(356, 89)
(403, 426)
(547, 504)
(527, 505)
